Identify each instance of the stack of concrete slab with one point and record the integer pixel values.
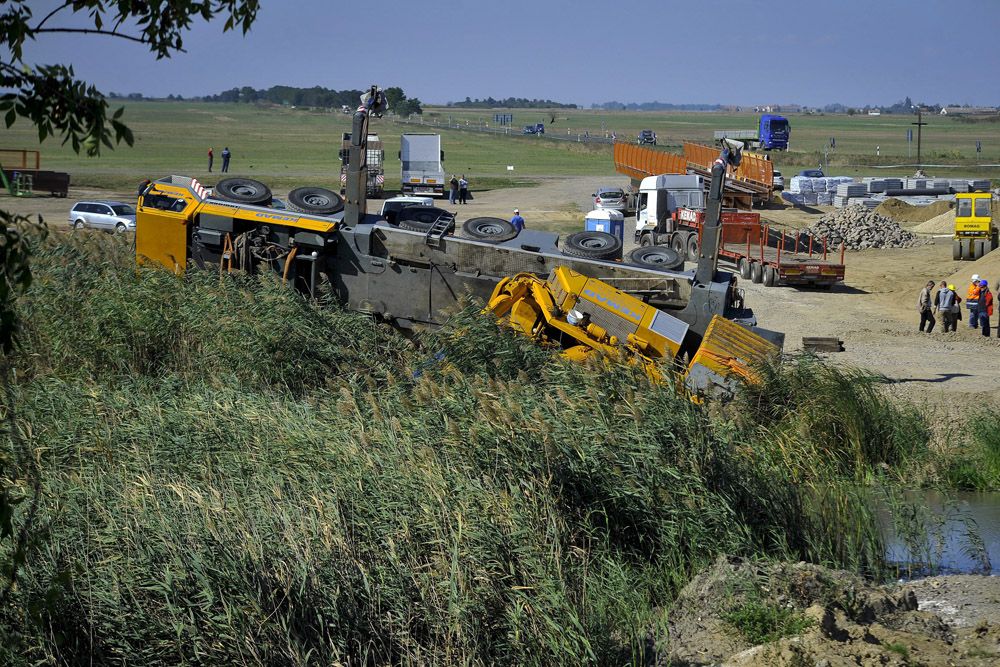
(852, 190)
(915, 183)
(959, 185)
(980, 184)
(940, 183)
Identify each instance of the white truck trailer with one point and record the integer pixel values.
(422, 160)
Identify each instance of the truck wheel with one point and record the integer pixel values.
(693, 248)
(756, 272)
(315, 200)
(679, 244)
(744, 267)
(243, 191)
(646, 240)
(956, 250)
(978, 248)
(493, 230)
(770, 276)
(593, 245)
(657, 257)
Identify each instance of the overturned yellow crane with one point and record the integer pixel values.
(587, 317)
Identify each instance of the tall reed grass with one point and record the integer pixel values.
(233, 476)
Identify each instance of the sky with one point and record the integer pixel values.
(747, 52)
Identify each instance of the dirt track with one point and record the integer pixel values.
(873, 313)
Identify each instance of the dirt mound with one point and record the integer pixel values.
(859, 228)
(987, 267)
(941, 224)
(750, 613)
(909, 215)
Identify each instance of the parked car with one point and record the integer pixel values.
(811, 173)
(778, 181)
(537, 128)
(647, 137)
(111, 216)
(392, 206)
(614, 199)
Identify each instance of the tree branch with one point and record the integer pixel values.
(93, 31)
(50, 15)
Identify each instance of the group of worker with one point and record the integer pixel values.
(947, 304)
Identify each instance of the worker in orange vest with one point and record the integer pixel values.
(972, 302)
(985, 308)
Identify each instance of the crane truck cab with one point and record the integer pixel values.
(658, 197)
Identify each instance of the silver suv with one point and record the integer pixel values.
(112, 216)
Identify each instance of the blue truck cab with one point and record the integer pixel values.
(774, 132)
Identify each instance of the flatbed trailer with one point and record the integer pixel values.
(773, 258)
(759, 254)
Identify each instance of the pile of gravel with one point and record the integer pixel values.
(859, 228)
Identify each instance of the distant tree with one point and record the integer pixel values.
(851, 111)
(394, 95)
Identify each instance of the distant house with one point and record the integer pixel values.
(874, 112)
(968, 111)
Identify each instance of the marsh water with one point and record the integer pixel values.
(945, 533)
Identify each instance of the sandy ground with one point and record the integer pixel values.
(873, 313)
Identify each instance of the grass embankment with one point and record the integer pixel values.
(232, 475)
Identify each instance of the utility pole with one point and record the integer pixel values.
(920, 123)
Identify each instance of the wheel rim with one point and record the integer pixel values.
(78, 224)
(318, 200)
(490, 229)
(657, 258)
(594, 243)
(245, 190)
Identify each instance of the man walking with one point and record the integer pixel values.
(211, 157)
(452, 190)
(924, 306)
(972, 302)
(463, 190)
(225, 159)
(985, 307)
(517, 221)
(946, 300)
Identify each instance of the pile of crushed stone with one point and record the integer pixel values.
(860, 228)
(908, 215)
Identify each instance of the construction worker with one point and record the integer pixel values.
(924, 306)
(945, 301)
(972, 302)
(517, 221)
(985, 308)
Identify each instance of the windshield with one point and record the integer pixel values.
(610, 194)
(779, 126)
(964, 208)
(123, 209)
(982, 208)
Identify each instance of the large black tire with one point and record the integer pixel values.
(744, 267)
(318, 201)
(243, 191)
(693, 248)
(978, 249)
(770, 276)
(956, 250)
(592, 245)
(679, 244)
(658, 257)
(756, 272)
(491, 230)
(422, 218)
(647, 239)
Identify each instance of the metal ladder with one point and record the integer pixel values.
(438, 230)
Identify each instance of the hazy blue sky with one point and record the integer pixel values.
(729, 51)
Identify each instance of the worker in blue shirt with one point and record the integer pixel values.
(517, 221)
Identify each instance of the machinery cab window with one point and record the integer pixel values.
(982, 208)
(163, 202)
(963, 208)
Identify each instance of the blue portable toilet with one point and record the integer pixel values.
(607, 221)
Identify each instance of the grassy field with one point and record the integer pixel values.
(290, 147)
(232, 475)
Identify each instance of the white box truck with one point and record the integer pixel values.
(422, 164)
